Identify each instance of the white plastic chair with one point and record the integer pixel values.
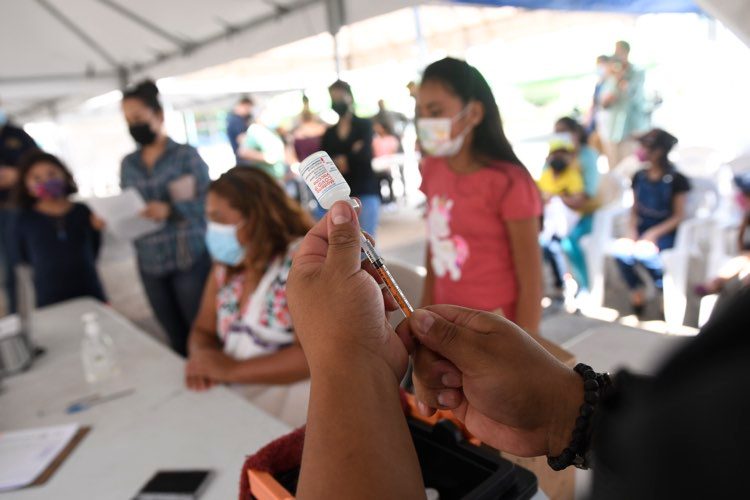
(702, 202)
(596, 245)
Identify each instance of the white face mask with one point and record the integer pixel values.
(435, 135)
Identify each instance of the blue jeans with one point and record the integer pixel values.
(571, 245)
(627, 263)
(7, 216)
(175, 299)
(553, 253)
(368, 217)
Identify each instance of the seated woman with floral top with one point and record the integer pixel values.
(243, 334)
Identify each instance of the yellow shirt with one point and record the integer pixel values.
(568, 182)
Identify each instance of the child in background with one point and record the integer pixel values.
(483, 206)
(561, 175)
(562, 186)
(58, 238)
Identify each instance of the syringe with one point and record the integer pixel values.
(379, 264)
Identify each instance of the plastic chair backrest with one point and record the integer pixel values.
(703, 198)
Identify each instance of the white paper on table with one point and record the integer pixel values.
(122, 214)
(26, 454)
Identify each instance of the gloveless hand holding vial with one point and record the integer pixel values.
(328, 185)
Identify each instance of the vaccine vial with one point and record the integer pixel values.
(324, 179)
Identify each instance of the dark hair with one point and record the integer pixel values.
(21, 195)
(624, 45)
(246, 99)
(341, 85)
(468, 84)
(574, 127)
(276, 220)
(659, 140)
(603, 58)
(385, 123)
(147, 92)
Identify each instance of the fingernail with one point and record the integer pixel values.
(340, 214)
(451, 380)
(424, 321)
(423, 409)
(443, 398)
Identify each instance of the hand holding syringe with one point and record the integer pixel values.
(328, 185)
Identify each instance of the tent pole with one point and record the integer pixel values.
(419, 37)
(336, 19)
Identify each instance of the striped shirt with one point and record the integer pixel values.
(181, 242)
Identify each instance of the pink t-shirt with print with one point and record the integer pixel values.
(469, 244)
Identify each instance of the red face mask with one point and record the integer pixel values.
(641, 153)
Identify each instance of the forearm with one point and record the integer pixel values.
(251, 154)
(575, 201)
(667, 226)
(283, 367)
(357, 443)
(529, 307)
(201, 338)
(428, 294)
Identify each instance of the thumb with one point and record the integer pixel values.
(459, 345)
(343, 255)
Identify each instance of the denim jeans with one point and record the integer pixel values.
(7, 216)
(553, 253)
(175, 299)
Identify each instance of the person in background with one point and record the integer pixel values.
(172, 178)
(586, 204)
(308, 132)
(660, 196)
(14, 144)
(602, 63)
(483, 206)
(349, 144)
(262, 148)
(384, 141)
(394, 120)
(624, 99)
(243, 333)
(237, 122)
(680, 433)
(561, 185)
(736, 268)
(58, 238)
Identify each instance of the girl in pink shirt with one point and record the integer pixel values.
(483, 206)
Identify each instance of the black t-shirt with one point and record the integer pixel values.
(360, 176)
(655, 199)
(62, 252)
(685, 432)
(14, 144)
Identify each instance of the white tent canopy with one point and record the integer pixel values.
(56, 50)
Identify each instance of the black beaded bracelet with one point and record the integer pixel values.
(576, 452)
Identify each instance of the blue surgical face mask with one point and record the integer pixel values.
(222, 243)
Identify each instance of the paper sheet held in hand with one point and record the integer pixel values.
(122, 212)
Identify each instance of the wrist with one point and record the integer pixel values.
(565, 413)
(346, 364)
